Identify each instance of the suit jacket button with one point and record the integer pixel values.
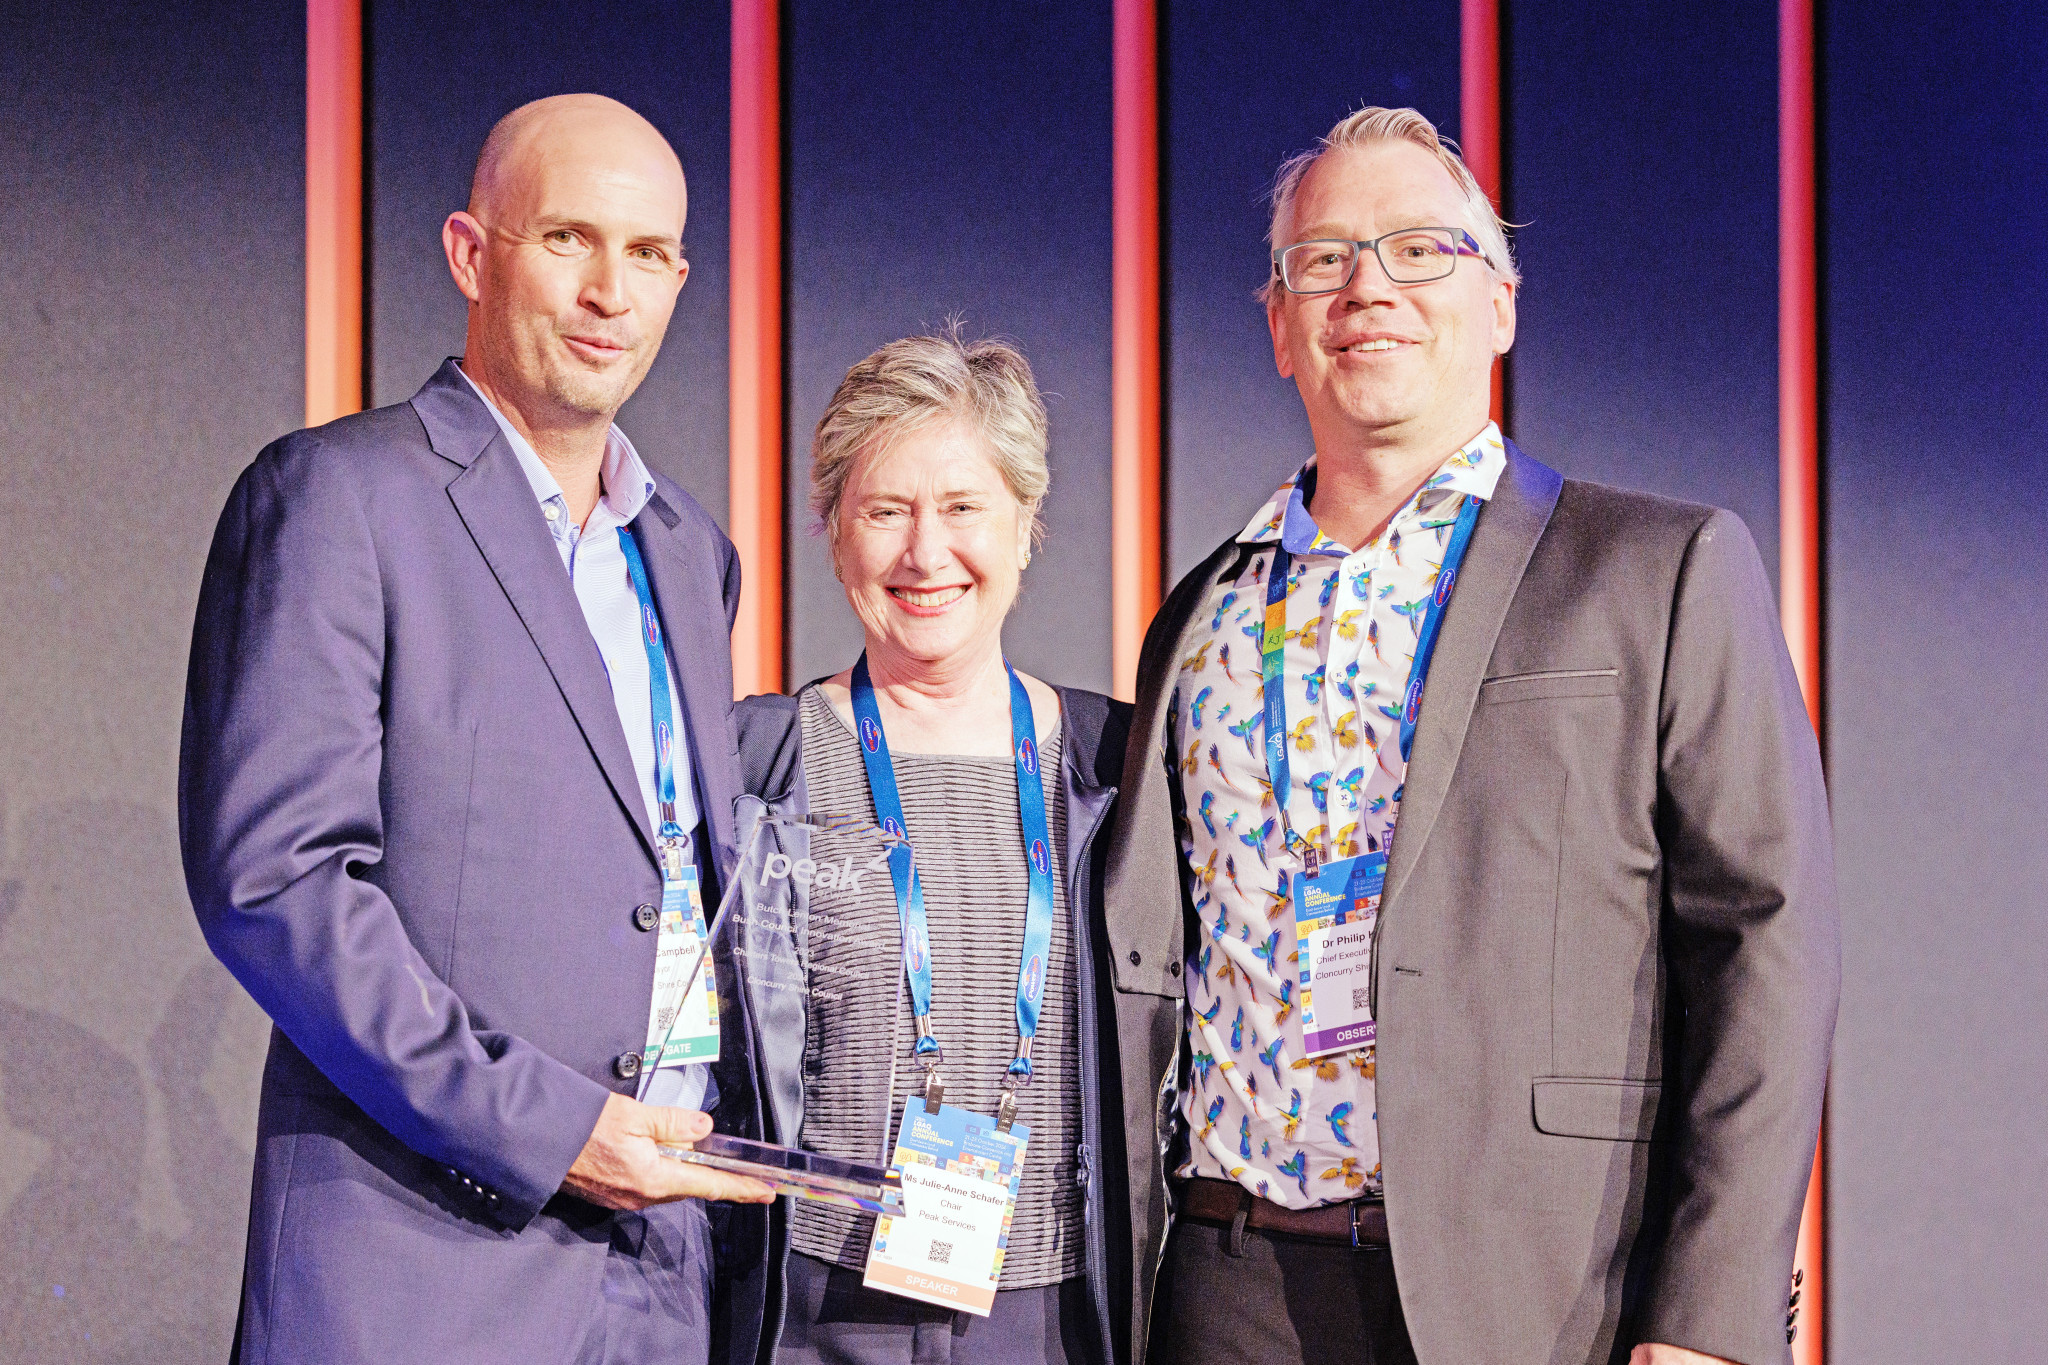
(626, 1065)
(1136, 957)
(645, 917)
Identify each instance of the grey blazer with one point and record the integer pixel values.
(1610, 957)
(413, 830)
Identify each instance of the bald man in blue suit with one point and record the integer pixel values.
(420, 811)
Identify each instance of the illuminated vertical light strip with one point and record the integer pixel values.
(334, 209)
(1137, 560)
(1799, 529)
(1479, 126)
(756, 319)
(1798, 353)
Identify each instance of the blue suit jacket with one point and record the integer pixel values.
(413, 831)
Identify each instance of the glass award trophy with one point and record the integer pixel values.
(761, 984)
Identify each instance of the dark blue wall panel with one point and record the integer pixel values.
(942, 161)
(1245, 87)
(440, 75)
(1936, 132)
(1643, 160)
(151, 342)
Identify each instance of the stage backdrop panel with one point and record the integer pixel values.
(1642, 160)
(151, 335)
(440, 74)
(1936, 130)
(1244, 88)
(955, 161)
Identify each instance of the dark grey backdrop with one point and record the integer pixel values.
(953, 161)
(151, 196)
(1643, 162)
(1937, 570)
(151, 339)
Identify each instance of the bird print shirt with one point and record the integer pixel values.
(1299, 1131)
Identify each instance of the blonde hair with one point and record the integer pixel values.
(1374, 124)
(911, 383)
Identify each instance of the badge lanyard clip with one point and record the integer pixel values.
(1017, 1076)
(928, 1051)
(916, 934)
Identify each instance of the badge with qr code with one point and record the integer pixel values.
(1334, 915)
(960, 1178)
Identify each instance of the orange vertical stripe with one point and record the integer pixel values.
(334, 209)
(1479, 122)
(1799, 562)
(1798, 353)
(756, 318)
(1479, 92)
(1137, 559)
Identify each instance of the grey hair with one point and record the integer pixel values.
(919, 380)
(1375, 124)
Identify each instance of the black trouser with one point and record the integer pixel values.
(1275, 1300)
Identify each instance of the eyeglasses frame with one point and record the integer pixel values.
(1466, 245)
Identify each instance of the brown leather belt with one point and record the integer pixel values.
(1225, 1203)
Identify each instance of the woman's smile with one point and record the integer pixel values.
(929, 601)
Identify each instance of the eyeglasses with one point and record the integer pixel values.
(1410, 256)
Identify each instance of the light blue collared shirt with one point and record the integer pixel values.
(611, 609)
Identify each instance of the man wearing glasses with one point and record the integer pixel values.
(1474, 815)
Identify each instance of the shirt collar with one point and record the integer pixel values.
(624, 477)
(1473, 469)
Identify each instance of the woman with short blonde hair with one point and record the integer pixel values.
(928, 472)
(922, 379)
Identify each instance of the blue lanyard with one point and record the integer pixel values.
(916, 930)
(671, 836)
(1272, 666)
(1432, 622)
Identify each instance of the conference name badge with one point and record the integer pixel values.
(960, 1177)
(682, 1024)
(1334, 914)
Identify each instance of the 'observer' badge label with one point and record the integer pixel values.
(1334, 915)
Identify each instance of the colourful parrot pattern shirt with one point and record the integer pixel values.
(1296, 1130)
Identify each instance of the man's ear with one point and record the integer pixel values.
(1503, 316)
(462, 241)
(1283, 359)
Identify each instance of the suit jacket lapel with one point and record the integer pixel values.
(1144, 852)
(1501, 545)
(496, 503)
(686, 586)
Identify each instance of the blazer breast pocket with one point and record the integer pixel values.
(1616, 1110)
(1561, 682)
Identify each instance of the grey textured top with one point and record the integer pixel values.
(962, 816)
